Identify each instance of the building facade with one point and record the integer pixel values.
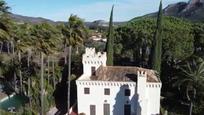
(116, 90)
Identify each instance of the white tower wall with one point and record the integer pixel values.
(153, 94)
(141, 93)
(92, 59)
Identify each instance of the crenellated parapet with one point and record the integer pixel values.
(141, 82)
(91, 58)
(153, 85)
(90, 51)
(141, 74)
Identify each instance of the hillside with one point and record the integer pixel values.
(26, 19)
(36, 20)
(193, 10)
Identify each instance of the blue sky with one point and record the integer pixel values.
(89, 10)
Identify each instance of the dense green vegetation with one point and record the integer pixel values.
(181, 44)
(34, 59)
(31, 60)
(178, 39)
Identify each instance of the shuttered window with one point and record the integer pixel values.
(106, 91)
(127, 92)
(86, 90)
(92, 110)
(127, 109)
(106, 109)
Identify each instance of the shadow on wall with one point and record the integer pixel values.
(60, 93)
(120, 100)
(137, 108)
(124, 105)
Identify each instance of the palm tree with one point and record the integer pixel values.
(28, 42)
(3, 37)
(73, 35)
(4, 31)
(54, 37)
(29, 77)
(192, 79)
(3, 7)
(42, 47)
(45, 42)
(20, 37)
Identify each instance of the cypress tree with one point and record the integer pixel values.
(157, 46)
(110, 41)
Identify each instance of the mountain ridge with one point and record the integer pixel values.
(36, 20)
(192, 10)
(27, 19)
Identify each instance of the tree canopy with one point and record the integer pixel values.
(135, 39)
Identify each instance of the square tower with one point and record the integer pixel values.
(92, 61)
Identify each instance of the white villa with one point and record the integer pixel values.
(116, 90)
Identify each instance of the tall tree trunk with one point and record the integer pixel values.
(8, 48)
(53, 72)
(69, 75)
(1, 47)
(48, 71)
(20, 73)
(42, 85)
(165, 112)
(29, 78)
(191, 108)
(65, 54)
(12, 47)
(14, 73)
(29, 95)
(191, 101)
(15, 87)
(77, 49)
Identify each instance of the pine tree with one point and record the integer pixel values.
(110, 41)
(157, 48)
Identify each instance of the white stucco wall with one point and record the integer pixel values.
(116, 99)
(153, 95)
(92, 59)
(148, 95)
(141, 93)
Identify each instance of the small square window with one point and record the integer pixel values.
(106, 91)
(93, 71)
(86, 90)
(127, 92)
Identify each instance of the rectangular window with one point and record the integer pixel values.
(106, 109)
(106, 91)
(86, 90)
(127, 109)
(92, 110)
(127, 92)
(93, 71)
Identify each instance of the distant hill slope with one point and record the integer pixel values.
(26, 19)
(36, 20)
(193, 10)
